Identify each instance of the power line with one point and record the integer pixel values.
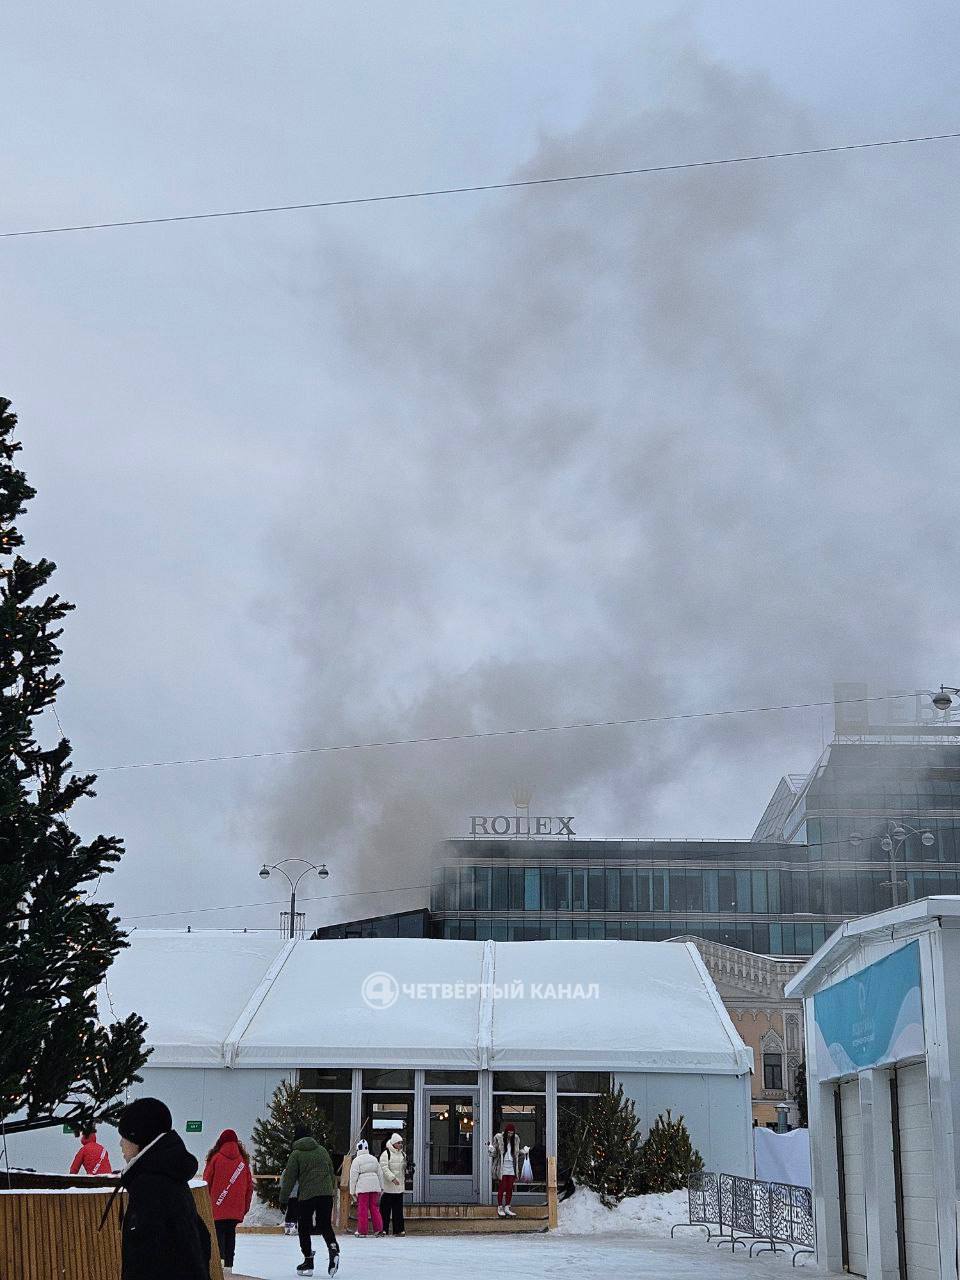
(277, 902)
(490, 733)
(480, 187)
(860, 863)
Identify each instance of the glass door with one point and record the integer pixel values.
(451, 1161)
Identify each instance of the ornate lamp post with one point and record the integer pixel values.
(891, 843)
(943, 700)
(321, 871)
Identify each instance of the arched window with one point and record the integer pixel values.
(792, 1026)
(793, 1066)
(771, 1049)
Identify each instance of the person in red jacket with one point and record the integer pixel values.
(230, 1180)
(92, 1157)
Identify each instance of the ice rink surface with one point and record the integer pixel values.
(524, 1257)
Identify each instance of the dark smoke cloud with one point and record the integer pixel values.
(633, 448)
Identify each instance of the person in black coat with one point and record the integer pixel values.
(163, 1236)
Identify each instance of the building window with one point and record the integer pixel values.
(501, 889)
(331, 1091)
(589, 1082)
(531, 889)
(576, 1094)
(386, 1107)
(519, 1097)
(564, 889)
(519, 1081)
(792, 1027)
(579, 889)
(313, 1079)
(772, 1071)
(793, 1069)
(595, 889)
(387, 1078)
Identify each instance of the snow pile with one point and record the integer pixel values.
(261, 1215)
(653, 1215)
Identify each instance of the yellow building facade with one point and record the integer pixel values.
(751, 988)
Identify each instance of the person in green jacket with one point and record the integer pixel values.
(311, 1168)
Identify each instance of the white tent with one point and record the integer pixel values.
(655, 1009)
(190, 987)
(406, 1023)
(251, 1000)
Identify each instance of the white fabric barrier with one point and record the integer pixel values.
(782, 1157)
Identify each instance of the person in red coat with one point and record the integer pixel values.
(92, 1158)
(230, 1180)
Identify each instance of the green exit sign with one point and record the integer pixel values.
(68, 1128)
(194, 1126)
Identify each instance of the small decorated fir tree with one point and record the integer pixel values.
(668, 1156)
(610, 1156)
(273, 1136)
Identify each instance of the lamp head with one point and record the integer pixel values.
(928, 838)
(942, 700)
(886, 844)
(322, 871)
(264, 872)
(856, 839)
(898, 832)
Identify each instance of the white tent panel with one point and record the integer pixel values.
(190, 988)
(254, 1000)
(637, 1006)
(316, 1013)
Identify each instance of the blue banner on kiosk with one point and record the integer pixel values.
(872, 1018)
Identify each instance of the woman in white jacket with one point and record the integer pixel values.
(393, 1166)
(366, 1186)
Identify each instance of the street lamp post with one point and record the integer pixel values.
(891, 843)
(943, 700)
(321, 871)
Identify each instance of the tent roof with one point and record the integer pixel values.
(656, 1009)
(251, 1000)
(190, 987)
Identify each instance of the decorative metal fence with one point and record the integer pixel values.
(703, 1204)
(761, 1216)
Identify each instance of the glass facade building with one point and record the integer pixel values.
(873, 824)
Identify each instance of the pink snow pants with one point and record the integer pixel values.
(368, 1202)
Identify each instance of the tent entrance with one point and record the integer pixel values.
(451, 1158)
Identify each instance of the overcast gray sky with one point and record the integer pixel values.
(638, 447)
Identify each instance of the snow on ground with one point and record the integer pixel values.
(261, 1215)
(654, 1215)
(582, 1214)
(521, 1257)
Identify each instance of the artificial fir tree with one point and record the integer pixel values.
(273, 1136)
(58, 1063)
(610, 1155)
(668, 1156)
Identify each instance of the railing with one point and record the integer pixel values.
(745, 1211)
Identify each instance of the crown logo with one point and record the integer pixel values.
(522, 796)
